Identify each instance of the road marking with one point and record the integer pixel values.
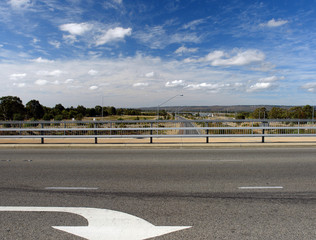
(71, 188)
(104, 224)
(231, 160)
(262, 187)
(217, 161)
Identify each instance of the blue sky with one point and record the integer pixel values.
(137, 53)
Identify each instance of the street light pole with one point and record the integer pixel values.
(181, 95)
(102, 108)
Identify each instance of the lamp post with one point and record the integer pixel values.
(102, 108)
(178, 95)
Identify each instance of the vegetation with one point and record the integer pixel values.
(12, 108)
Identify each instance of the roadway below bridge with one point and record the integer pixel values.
(188, 124)
(248, 193)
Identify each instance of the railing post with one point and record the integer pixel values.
(263, 131)
(151, 133)
(42, 138)
(207, 139)
(95, 133)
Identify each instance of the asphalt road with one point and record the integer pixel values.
(222, 194)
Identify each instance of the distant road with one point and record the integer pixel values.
(186, 124)
(221, 193)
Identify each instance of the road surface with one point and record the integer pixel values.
(219, 194)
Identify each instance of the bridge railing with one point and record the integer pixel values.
(158, 129)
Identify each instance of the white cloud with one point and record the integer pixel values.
(114, 34)
(265, 83)
(69, 81)
(192, 25)
(150, 74)
(240, 59)
(214, 87)
(93, 88)
(55, 73)
(118, 1)
(42, 60)
(116, 4)
(93, 72)
(158, 38)
(236, 58)
(270, 79)
(182, 50)
(310, 87)
(70, 39)
(175, 83)
(274, 23)
(19, 85)
(212, 56)
(56, 44)
(19, 3)
(76, 28)
(41, 82)
(17, 76)
(260, 86)
(140, 84)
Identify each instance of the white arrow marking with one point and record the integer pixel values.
(104, 224)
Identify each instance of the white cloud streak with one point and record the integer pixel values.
(274, 23)
(41, 82)
(76, 28)
(310, 87)
(18, 4)
(175, 83)
(140, 84)
(183, 50)
(17, 76)
(42, 60)
(236, 58)
(114, 34)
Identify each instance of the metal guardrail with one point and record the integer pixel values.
(158, 129)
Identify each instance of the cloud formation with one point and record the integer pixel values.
(17, 76)
(266, 83)
(76, 29)
(175, 83)
(183, 50)
(235, 58)
(18, 4)
(274, 23)
(140, 84)
(310, 87)
(114, 34)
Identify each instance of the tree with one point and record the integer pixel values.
(296, 113)
(98, 110)
(82, 110)
(34, 110)
(112, 110)
(260, 113)
(58, 109)
(277, 113)
(308, 111)
(11, 108)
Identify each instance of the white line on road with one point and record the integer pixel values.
(262, 187)
(71, 188)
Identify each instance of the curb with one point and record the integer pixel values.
(157, 146)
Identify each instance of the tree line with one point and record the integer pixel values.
(298, 112)
(12, 108)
